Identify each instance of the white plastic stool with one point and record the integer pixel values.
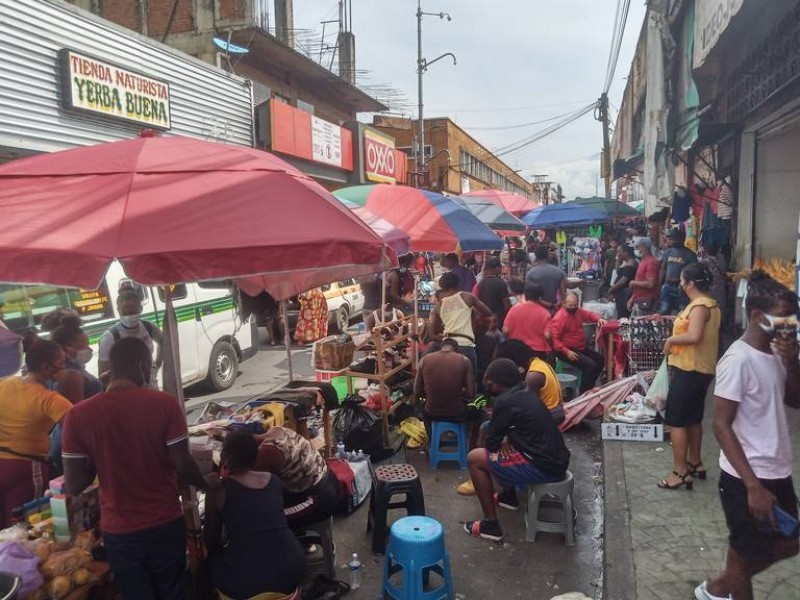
(568, 382)
(551, 521)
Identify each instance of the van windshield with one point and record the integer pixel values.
(23, 306)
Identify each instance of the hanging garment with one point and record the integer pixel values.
(595, 231)
(681, 203)
(725, 203)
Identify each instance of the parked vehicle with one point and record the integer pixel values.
(213, 338)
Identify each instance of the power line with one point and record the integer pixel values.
(620, 21)
(507, 109)
(518, 126)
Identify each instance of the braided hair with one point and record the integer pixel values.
(699, 274)
(764, 293)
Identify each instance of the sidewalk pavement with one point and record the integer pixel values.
(483, 569)
(661, 543)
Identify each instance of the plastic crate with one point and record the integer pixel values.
(326, 376)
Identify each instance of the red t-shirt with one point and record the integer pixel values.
(125, 434)
(528, 322)
(568, 331)
(649, 270)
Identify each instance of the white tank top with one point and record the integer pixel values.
(457, 319)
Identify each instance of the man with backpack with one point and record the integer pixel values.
(131, 324)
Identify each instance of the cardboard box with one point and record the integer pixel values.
(629, 432)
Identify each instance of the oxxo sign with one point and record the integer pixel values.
(101, 88)
(380, 163)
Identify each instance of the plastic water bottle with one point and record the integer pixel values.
(340, 450)
(355, 572)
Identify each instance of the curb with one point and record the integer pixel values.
(619, 575)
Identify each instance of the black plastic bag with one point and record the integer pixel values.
(358, 427)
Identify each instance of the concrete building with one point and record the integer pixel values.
(455, 162)
(313, 103)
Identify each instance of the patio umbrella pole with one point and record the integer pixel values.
(287, 337)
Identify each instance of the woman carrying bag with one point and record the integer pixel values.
(691, 354)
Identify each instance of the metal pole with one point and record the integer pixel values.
(606, 145)
(287, 338)
(421, 124)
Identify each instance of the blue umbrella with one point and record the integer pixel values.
(562, 215)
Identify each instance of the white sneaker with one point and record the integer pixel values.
(701, 593)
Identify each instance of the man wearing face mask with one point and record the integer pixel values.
(136, 440)
(569, 340)
(757, 378)
(130, 324)
(644, 287)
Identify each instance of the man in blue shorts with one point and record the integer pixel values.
(523, 446)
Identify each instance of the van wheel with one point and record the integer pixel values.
(223, 367)
(342, 319)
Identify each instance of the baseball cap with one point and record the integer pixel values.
(675, 234)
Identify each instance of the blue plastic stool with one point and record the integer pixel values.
(416, 548)
(436, 453)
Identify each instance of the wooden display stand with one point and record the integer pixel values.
(375, 343)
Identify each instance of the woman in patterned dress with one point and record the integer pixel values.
(312, 323)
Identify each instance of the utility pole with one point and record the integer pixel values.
(422, 66)
(420, 105)
(605, 158)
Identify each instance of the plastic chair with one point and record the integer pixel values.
(416, 549)
(568, 368)
(389, 481)
(569, 383)
(555, 514)
(440, 450)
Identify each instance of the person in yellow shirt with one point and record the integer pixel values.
(691, 353)
(542, 381)
(29, 412)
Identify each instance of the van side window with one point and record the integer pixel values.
(215, 284)
(23, 306)
(178, 292)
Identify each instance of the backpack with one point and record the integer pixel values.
(147, 325)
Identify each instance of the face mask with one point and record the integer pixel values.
(637, 254)
(130, 321)
(83, 356)
(783, 326)
(572, 311)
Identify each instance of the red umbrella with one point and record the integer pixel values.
(175, 209)
(514, 203)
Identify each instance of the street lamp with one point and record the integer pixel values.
(422, 66)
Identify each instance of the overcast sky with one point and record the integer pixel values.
(519, 61)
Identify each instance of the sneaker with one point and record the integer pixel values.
(466, 488)
(507, 499)
(486, 529)
(702, 593)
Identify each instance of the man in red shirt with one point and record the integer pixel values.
(645, 293)
(136, 441)
(569, 340)
(529, 321)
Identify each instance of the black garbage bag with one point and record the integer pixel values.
(358, 427)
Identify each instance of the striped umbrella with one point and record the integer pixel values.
(393, 237)
(433, 222)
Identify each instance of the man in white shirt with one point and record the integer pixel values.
(758, 375)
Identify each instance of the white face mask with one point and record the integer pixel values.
(637, 254)
(130, 321)
(83, 356)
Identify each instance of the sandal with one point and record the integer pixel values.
(695, 471)
(665, 485)
(489, 530)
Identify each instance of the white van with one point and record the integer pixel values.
(213, 338)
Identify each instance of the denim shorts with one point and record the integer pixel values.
(517, 471)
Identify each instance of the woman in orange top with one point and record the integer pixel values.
(692, 359)
(29, 412)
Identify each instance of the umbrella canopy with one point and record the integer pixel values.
(174, 209)
(393, 237)
(510, 202)
(611, 208)
(433, 222)
(490, 214)
(562, 215)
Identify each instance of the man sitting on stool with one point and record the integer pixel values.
(523, 446)
(569, 340)
(445, 379)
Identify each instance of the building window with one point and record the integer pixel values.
(478, 169)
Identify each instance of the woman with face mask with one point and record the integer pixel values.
(691, 354)
(77, 383)
(28, 412)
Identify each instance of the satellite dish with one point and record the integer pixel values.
(228, 47)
